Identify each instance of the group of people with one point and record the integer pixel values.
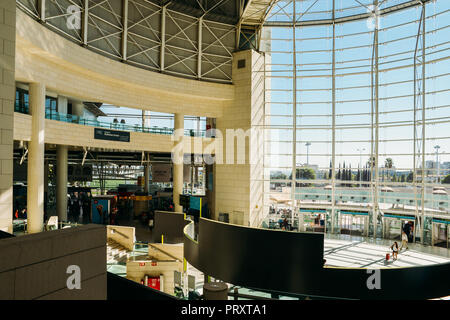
(79, 207)
(405, 237)
(395, 249)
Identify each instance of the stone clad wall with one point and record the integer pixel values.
(7, 92)
(35, 266)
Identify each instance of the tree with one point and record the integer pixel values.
(394, 177)
(330, 173)
(371, 162)
(388, 163)
(278, 175)
(446, 179)
(409, 178)
(305, 173)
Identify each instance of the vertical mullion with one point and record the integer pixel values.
(294, 115)
(423, 121)
(376, 205)
(333, 129)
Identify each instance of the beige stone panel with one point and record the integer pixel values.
(123, 235)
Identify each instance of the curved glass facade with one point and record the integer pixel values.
(355, 138)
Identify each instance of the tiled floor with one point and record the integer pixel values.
(358, 252)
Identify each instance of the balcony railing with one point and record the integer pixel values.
(53, 115)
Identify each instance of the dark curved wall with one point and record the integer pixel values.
(260, 258)
(424, 282)
(293, 263)
(191, 250)
(169, 224)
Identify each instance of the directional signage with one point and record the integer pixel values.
(112, 135)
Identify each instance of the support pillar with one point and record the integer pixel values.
(178, 167)
(61, 182)
(77, 108)
(36, 149)
(62, 105)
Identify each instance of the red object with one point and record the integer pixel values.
(154, 282)
(141, 264)
(387, 256)
(154, 263)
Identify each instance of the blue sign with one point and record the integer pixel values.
(194, 203)
(100, 208)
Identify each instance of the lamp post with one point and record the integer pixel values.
(307, 152)
(437, 147)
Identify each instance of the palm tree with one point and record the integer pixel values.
(388, 163)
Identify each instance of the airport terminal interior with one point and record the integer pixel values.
(225, 149)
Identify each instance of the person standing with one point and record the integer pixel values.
(394, 249)
(404, 241)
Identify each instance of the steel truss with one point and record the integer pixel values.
(146, 34)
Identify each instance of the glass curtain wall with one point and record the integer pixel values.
(344, 113)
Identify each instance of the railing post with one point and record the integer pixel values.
(236, 293)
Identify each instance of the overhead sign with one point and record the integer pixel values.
(161, 172)
(111, 135)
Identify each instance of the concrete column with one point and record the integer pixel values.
(145, 119)
(35, 191)
(7, 93)
(61, 182)
(62, 104)
(77, 108)
(178, 168)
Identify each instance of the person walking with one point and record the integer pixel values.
(394, 249)
(404, 241)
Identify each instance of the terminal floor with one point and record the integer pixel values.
(359, 252)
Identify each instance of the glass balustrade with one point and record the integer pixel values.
(114, 126)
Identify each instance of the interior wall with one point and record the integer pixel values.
(35, 266)
(239, 186)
